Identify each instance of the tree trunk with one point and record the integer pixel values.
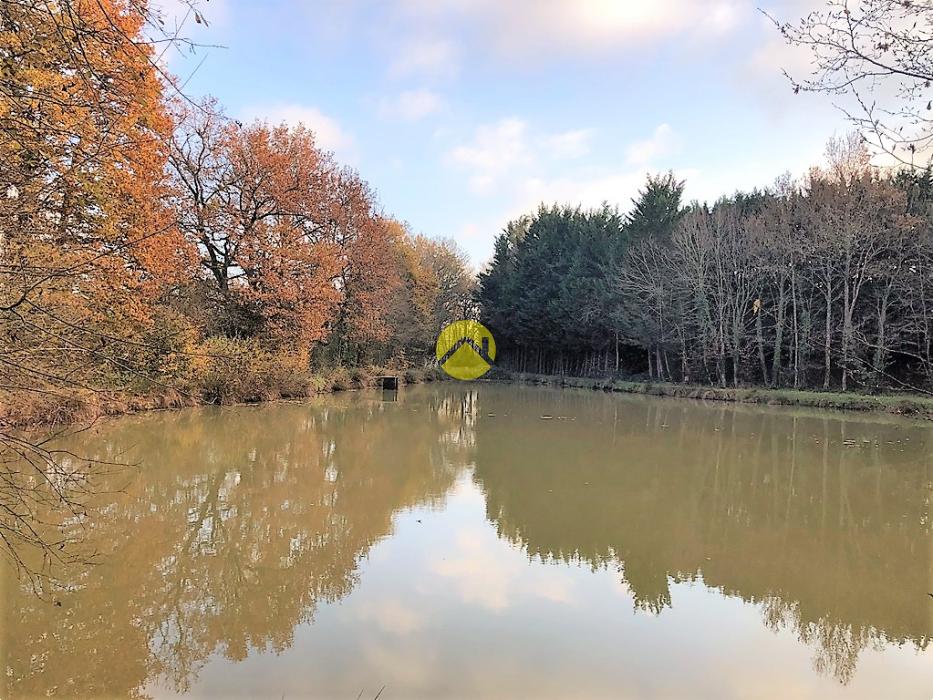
(881, 352)
(617, 352)
(778, 336)
(846, 330)
(793, 294)
(736, 366)
(759, 335)
(684, 372)
(828, 339)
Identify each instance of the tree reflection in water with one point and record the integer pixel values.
(243, 522)
(828, 534)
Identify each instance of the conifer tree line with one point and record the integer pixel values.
(824, 282)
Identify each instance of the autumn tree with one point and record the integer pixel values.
(368, 275)
(294, 249)
(86, 249)
(259, 204)
(435, 287)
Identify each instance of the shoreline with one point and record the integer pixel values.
(95, 407)
(911, 405)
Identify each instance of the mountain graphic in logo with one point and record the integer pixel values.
(465, 349)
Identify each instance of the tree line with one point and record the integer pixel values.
(149, 243)
(824, 282)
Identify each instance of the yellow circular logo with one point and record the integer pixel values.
(465, 349)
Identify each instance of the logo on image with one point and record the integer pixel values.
(465, 349)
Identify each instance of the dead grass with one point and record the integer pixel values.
(268, 383)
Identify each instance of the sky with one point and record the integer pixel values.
(464, 114)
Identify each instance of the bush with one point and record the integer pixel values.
(340, 379)
(230, 370)
(361, 378)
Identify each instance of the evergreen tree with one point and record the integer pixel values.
(657, 209)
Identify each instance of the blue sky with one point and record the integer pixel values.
(463, 114)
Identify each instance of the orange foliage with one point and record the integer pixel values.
(284, 231)
(286, 254)
(129, 226)
(87, 246)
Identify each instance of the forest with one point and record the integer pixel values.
(818, 283)
(155, 252)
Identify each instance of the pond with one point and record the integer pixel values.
(483, 540)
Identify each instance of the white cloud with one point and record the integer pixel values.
(523, 168)
(481, 573)
(762, 72)
(411, 105)
(328, 133)
(773, 56)
(392, 616)
(608, 21)
(508, 147)
(535, 27)
(495, 150)
(570, 144)
(663, 142)
(425, 57)
(588, 192)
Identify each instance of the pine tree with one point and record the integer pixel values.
(657, 209)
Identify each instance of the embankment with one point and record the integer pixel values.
(900, 404)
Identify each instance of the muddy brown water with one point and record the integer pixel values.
(478, 540)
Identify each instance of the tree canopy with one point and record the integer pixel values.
(822, 282)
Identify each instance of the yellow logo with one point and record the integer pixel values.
(465, 349)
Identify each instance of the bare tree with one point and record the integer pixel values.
(876, 58)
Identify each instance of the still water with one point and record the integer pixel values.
(494, 541)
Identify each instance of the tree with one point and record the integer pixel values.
(495, 292)
(270, 214)
(86, 248)
(863, 48)
(435, 287)
(657, 209)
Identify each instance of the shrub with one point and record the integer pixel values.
(230, 370)
(340, 379)
(361, 378)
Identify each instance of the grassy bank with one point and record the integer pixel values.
(275, 383)
(900, 404)
(240, 387)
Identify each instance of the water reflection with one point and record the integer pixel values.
(821, 520)
(463, 530)
(241, 523)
